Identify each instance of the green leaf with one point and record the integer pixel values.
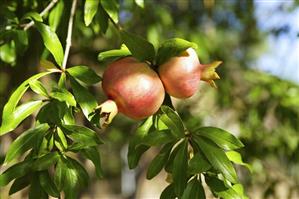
(55, 15)
(8, 53)
(217, 158)
(62, 138)
(63, 95)
(21, 40)
(194, 190)
(47, 184)
(169, 164)
(134, 153)
(180, 166)
(19, 184)
(33, 16)
(51, 41)
(21, 112)
(84, 74)
(237, 158)
(139, 47)
(171, 48)
(158, 138)
(16, 171)
(59, 175)
(93, 154)
(70, 176)
(172, 120)
(198, 164)
(114, 54)
(220, 137)
(159, 161)
(38, 88)
(25, 142)
(90, 10)
(45, 161)
(36, 190)
(15, 98)
(62, 81)
(111, 7)
(140, 3)
(46, 115)
(82, 136)
(220, 190)
(168, 192)
(103, 19)
(84, 98)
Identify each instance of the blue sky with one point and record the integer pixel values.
(282, 55)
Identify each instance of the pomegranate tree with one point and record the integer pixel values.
(132, 88)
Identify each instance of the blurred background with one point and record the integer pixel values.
(257, 97)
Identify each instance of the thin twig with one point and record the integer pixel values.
(49, 7)
(116, 25)
(69, 35)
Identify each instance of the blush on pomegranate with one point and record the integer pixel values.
(132, 88)
(181, 74)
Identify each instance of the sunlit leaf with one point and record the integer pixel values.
(138, 46)
(84, 74)
(220, 137)
(25, 142)
(45, 161)
(55, 15)
(111, 7)
(114, 54)
(51, 41)
(47, 184)
(237, 158)
(171, 119)
(38, 88)
(63, 95)
(90, 9)
(16, 171)
(171, 48)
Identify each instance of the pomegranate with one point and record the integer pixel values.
(132, 88)
(181, 74)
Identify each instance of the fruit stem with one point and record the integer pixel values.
(108, 111)
(209, 73)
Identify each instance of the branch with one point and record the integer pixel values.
(69, 35)
(49, 7)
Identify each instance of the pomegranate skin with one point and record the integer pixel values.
(181, 75)
(136, 89)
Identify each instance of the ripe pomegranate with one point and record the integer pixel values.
(132, 88)
(181, 74)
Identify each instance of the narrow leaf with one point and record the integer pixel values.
(51, 41)
(55, 15)
(111, 7)
(25, 142)
(16, 171)
(36, 190)
(220, 137)
(63, 95)
(47, 184)
(84, 74)
(198, 164)
(168, 193)
(45, 161)
(21, 112)
(237, 158)
(134, 153)
(180, 165)
(84, 98)
(171, 119)
(38, 88)
(171, 48)
(90, 10)
(156, 138)
(93, 154)
(159, 161)
(114, 54)
(194, 190)
(217, 158)
(139, 47)
(19, 184)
